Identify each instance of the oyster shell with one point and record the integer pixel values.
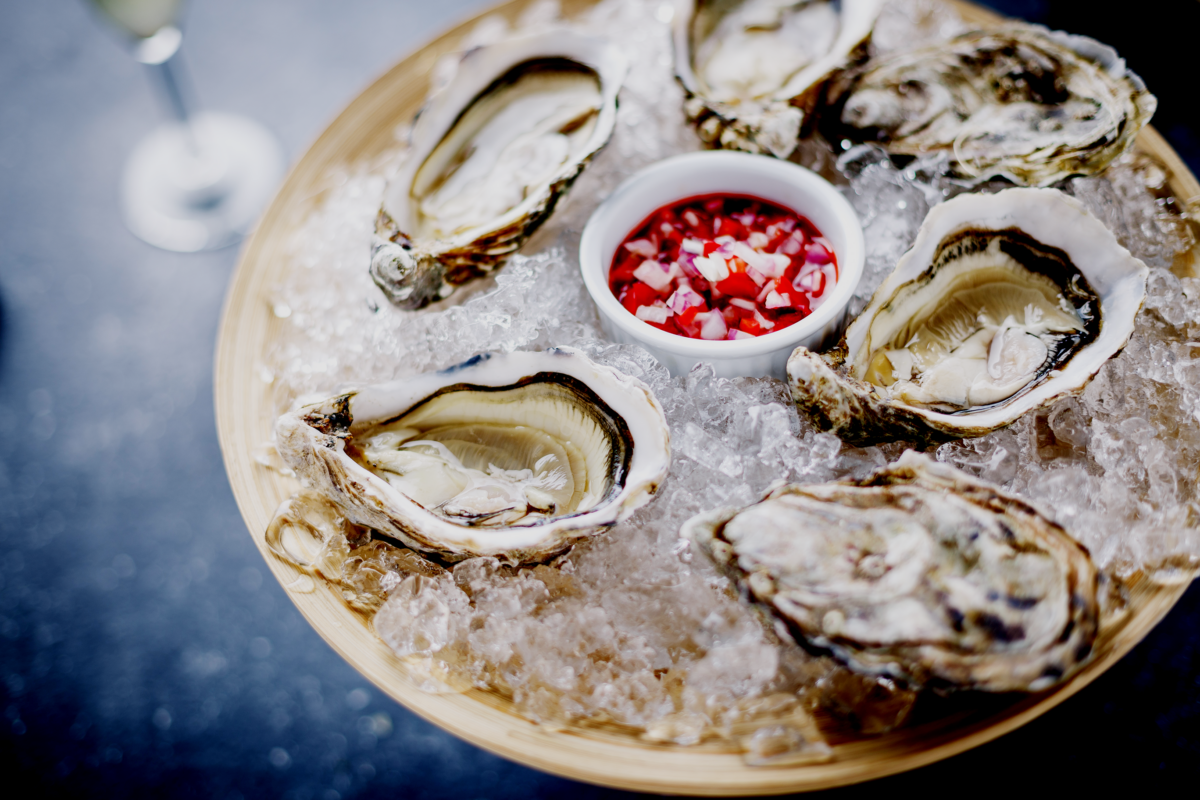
(1004, 303)
(753, 69)
(514, 456)
(1022, 102)
(918, 572)
(490, 154)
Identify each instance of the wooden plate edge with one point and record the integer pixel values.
(474, 717)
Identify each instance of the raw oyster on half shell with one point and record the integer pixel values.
(514, 456)
(1021, 102)
(1004, 303)
(918, 572)
(753, 69)
(490, 155)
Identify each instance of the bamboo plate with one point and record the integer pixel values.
(245, 417)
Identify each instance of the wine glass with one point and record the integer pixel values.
(199, 181)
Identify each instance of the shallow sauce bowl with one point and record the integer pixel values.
(723, 172)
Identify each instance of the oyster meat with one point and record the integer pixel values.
(1021, 102)
(514, 456)
(918, 572)
(1004, 303)
(753, 69)
(490, 154)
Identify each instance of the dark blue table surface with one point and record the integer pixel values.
(144, 647)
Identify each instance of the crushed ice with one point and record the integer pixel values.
(628, 628)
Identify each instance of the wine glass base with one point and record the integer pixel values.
(201, 186)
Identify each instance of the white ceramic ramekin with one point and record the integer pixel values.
(713, 172)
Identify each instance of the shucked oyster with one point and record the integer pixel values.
(919, 572)
(1004, 303)
(490, 154)
(753, 69)
(515, 456)
(1021, 102)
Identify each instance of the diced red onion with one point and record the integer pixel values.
(653, 274)
(712, 325)
(683, 299)
(817, 253)
(793, 244)
(642, 247)
(758, 240)
(775, 300)
(713, 268)
(698, 253)
(830, 273)
(766, 290)
(654, 313)
(781, 263)
(806, 280)
(686, 264)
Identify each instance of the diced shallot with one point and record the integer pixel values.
(683, 299)
(780, 262)
(793, 244)
(712, 325)
(642, 247)
(748, 254)
(654, 314)
(808, 278)
(818, 253)
(687, 264)
(654, 275)
(829, 277)
(756, 276)
(713, 268)
(730, 268)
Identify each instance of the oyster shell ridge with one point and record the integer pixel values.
(312, 439)
(1042, 166)
(860, 413)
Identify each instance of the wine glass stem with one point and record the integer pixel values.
(179, 108)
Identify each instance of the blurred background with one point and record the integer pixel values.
(145, 649)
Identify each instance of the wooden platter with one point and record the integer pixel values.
(600, 755)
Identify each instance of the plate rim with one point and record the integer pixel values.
(585, 753)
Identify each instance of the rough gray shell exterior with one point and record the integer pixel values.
(918, 572)
(1020, 102)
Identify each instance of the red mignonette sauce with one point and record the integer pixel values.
(722, 266)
